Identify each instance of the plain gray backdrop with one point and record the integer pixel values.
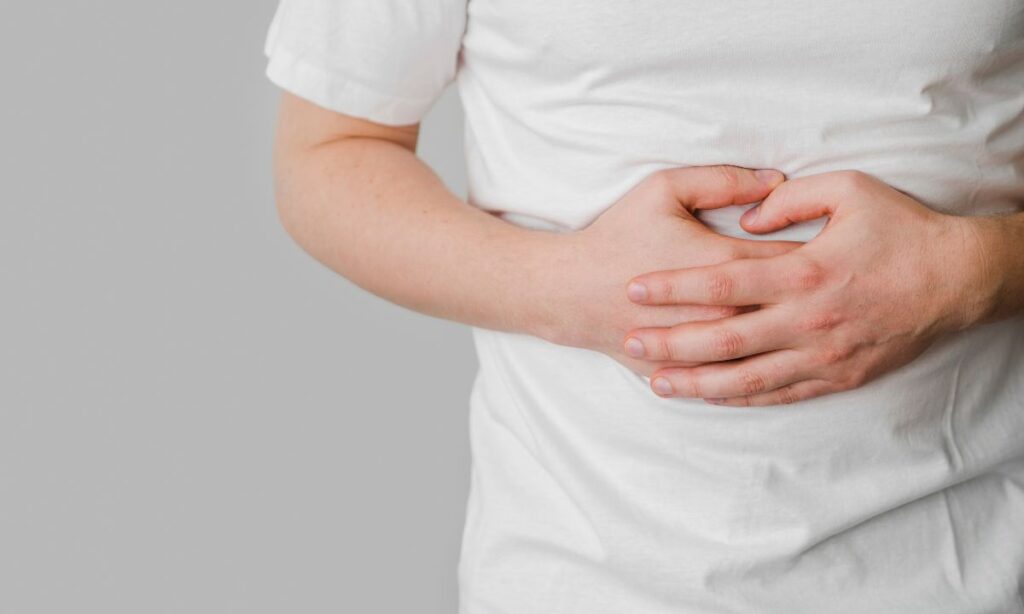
(195, 416)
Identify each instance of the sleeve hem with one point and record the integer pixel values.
(342, 93)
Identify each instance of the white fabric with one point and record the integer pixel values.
(590, 495)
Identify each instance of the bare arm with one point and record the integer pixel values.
(999, 268)
(354, 195)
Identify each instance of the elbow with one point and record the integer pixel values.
(291, 200)
(290, 214)
(313, 224)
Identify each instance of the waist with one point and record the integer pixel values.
(960, 405)
(561, 173)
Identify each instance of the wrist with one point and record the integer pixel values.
(552, 294)
(979, 279)
(542, 299)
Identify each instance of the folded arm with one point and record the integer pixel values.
(355, 196)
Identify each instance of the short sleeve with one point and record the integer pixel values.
(383, 60)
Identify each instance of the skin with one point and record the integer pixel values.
(884, 279)
(353, 194)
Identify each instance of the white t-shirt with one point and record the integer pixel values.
(590, 494)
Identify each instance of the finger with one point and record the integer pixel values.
(801, 200)
(747, 334)
(658, 317)
(647, 368)
(665, 316)
(784, 395)
(709, 187)
(756, 375)
(748, 281)
(754, 248)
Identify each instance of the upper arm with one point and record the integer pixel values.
(302, 125)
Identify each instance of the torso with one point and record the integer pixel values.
(591, 494)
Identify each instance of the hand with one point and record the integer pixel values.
(871, 292)
(651, 227)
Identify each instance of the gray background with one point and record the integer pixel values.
(194, 415)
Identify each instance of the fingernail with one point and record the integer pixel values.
(635, 347)
(767, 176)
(751, 214)
(662, 386)
(636, 291)
(714, 401)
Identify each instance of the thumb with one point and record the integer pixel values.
(711, 187)
(795, 200)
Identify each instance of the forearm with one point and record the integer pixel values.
(997, 266)
(373, 212)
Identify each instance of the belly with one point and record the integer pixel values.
(592, 493)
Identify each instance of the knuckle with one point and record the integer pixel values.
(719, 288)
(835, 354)
(667, 346)
(787, 395)
(851, 180)
(661, 289)
(821, 321)
(861, 376)
(690, 386)
(853, 378)
(728, 176)
(752, 383)
(729, 252)
(809, 275)
(726, 343)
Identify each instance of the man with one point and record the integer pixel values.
(686, 404)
